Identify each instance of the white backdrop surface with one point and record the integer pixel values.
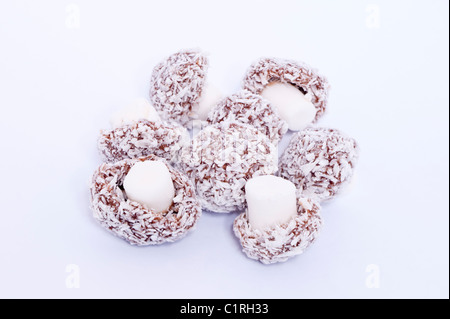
(65, 66)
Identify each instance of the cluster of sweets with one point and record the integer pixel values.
(155, 179)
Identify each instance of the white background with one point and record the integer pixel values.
(387, 62)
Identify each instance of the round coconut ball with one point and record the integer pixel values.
(177, 83)
(221, 159)
(319, 162)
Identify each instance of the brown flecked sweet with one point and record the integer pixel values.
(281, 242)
(306, 79)
(251, 109)
(177, 83)
(142, 138)
(131, 220)
(319, 161)
(220, 160)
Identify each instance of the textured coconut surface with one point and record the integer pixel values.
(252, 109)
(143, 138)
(177, 83)
(320, 162)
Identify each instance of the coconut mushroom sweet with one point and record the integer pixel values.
(298, 91)
(179, 89)
(146, 205)
(276, 225)
(320, 162)
(142, 137)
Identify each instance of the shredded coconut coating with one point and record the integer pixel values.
(319, 162)
(281, 242)
(251, 109)
(132, 221)
(176, 85)
(220, 160)
(268, 70)
(143, 138)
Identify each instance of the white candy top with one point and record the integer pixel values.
(271, 200)
(293, 106)
(135, 111)
(150, 184)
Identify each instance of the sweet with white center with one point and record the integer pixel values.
(293, 106)
(150, 184)
(271, 200)
(210, 96)
(135, 111)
